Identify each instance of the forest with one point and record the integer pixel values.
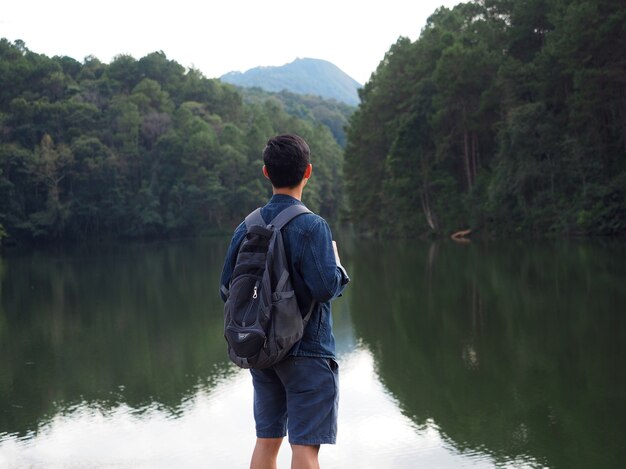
(329, 112)
(139, 149)
(503, 118)
(507, 118)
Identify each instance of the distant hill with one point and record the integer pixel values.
(303, 76)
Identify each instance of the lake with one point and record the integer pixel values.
(480, 355)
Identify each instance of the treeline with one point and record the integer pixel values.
(332, 113)
(507, 117)
(137, 148)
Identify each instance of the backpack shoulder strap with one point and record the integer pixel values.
(254, 218)
(288, 214)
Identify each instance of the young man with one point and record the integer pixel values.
(299, 395)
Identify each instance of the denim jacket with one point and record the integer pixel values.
(315, 273)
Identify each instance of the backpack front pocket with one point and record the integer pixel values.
(245, 299)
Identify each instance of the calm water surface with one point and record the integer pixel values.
(487, 355)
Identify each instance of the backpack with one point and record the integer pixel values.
(262, 319)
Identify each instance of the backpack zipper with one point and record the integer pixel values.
(254, 297)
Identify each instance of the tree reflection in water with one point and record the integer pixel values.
(496, 353)
(515, 349)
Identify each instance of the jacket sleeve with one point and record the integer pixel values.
(324, 278)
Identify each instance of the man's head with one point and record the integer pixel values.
(287, 159)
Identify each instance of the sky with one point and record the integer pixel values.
(217, 37)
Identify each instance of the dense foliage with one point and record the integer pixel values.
(137, 148)
(330, 112)
(504, 116)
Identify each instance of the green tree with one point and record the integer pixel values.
(51, 166)
(137, 148)
(506, 117)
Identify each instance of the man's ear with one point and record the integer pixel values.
(308, 171)
(265, 173)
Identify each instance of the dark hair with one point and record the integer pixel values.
(286, 157)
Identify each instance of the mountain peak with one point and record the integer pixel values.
(303, 76)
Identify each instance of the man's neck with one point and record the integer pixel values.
(295, 192)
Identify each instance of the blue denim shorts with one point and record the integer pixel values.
(299, 397)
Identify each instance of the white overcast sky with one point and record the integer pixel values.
(220, 36)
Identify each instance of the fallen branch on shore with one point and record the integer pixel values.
(461, 236)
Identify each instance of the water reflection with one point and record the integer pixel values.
(214, 428)
(494, 355)
(514, 350)
(133, 324)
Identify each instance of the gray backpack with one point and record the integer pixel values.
(262, 320)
